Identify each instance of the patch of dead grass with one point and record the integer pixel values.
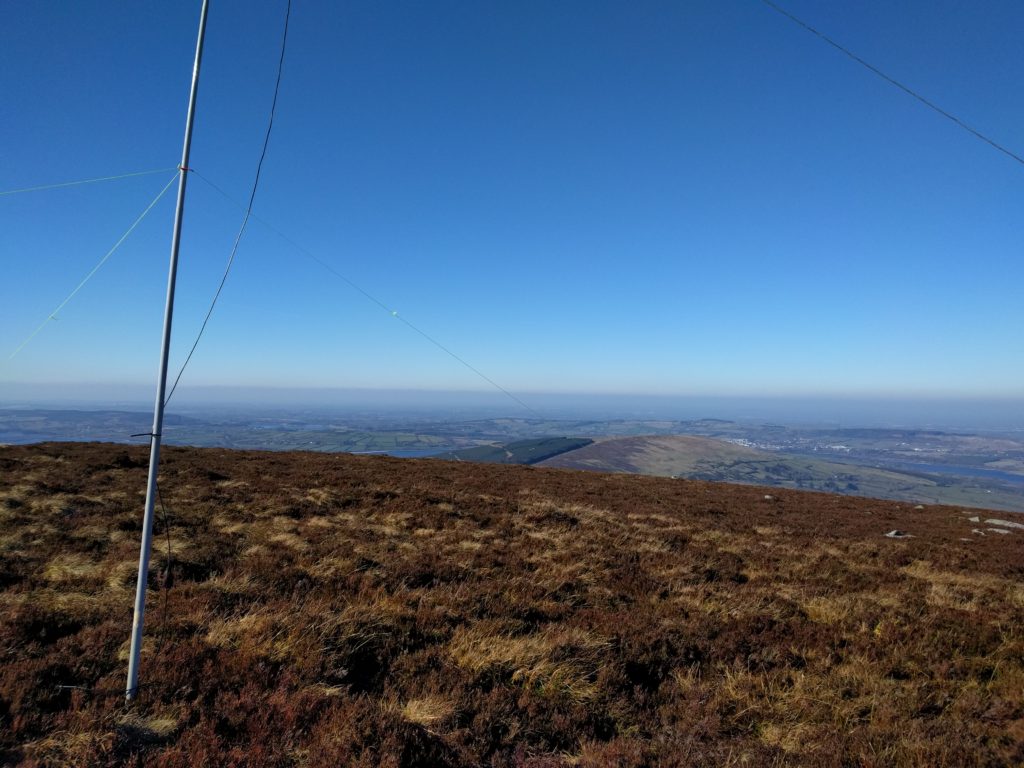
(529, 660)
(428, 710)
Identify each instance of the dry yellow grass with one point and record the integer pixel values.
(428, 711)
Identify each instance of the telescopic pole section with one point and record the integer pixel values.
(158, 410)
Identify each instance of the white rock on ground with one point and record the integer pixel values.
(1004, 524)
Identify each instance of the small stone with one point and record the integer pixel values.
(898, 534)
(919, 506)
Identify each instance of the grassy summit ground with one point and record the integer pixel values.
(347, 610)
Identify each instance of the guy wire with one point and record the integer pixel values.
(84, 181)
(892, 81)
(100, 263)
(369, 296)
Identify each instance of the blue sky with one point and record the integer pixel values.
(663, 198)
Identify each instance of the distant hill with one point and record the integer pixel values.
(337, 610)
(664, 455)
(518, 452)
(703, 458)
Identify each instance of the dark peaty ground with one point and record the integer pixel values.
(344, 610)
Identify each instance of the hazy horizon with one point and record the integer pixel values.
(878, 411)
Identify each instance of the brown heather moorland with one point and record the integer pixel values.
(337, 610)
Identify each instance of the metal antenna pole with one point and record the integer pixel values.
(158, 410)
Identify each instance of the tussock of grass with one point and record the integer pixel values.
(427, 711)
(367, 611)
(71, 568)
(562, 660)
